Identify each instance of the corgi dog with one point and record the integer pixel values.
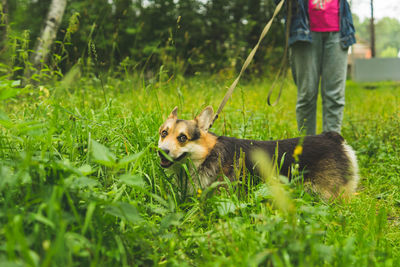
(327, 163)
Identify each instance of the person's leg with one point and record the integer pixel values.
(333, 82)
(305, 61)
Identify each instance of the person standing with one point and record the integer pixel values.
(321, 31)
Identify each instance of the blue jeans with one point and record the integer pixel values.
(323, 61)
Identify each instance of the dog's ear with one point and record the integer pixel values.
(205, 118)
(174, 114)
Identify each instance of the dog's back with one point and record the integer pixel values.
(326, 161)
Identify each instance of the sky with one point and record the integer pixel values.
(382, 8)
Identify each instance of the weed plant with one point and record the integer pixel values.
(81, 185)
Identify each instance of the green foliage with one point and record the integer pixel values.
(185, 37)
(389, 52)
(387, 35)
(81, 182)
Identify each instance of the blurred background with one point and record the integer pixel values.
(188, 37)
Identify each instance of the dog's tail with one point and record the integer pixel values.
(353, 177)
(348, 168)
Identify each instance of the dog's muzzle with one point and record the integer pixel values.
(166, 163)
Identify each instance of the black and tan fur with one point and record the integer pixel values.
(327, 162)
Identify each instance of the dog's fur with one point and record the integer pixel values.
(328, 164)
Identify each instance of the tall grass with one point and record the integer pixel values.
(81, 183)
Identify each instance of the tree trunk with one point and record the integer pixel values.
(372, 30)
(49, 32)
(3, 25)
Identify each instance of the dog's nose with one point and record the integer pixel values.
(166, 151)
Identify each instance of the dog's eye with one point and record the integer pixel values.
(182, 138)
(164, 133)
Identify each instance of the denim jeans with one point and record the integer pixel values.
(323, 61)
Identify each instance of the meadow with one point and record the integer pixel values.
(81, 183)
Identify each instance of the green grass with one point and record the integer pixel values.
(81, 184)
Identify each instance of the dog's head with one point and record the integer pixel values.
(182, 139)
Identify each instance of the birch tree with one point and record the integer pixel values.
(49, 32)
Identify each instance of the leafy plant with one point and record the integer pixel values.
(80, 181)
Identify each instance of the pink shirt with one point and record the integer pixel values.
(324, 15)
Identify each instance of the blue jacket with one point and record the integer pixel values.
(300, 24)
